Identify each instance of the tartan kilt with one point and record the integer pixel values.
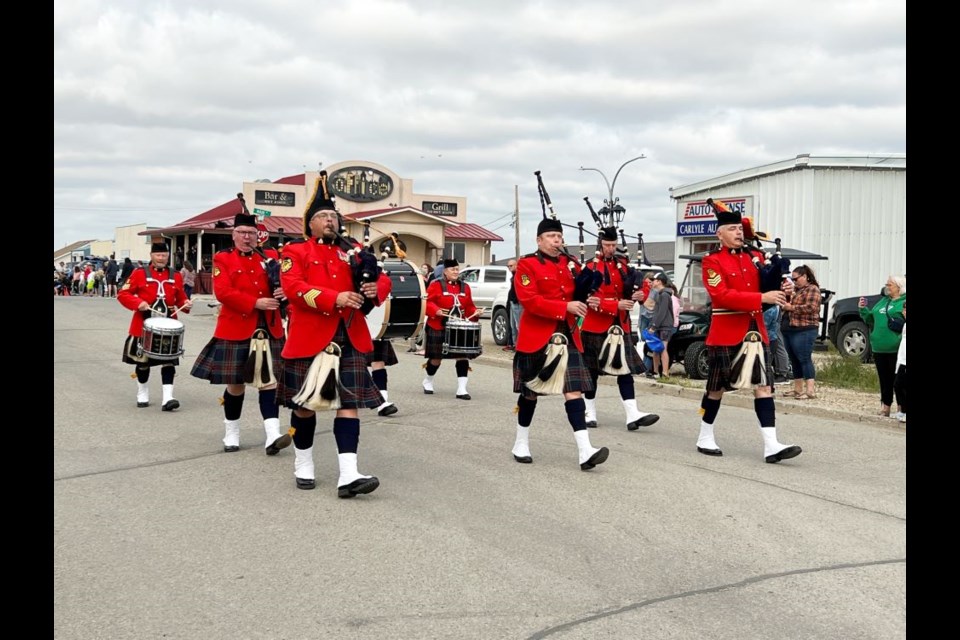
(221, 361)
(576, 378)
(593, 345)
(357, 387)
(132, 343)
(382, 352)
(721, 358)
(433, 347)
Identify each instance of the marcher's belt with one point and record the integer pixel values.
(727, 312)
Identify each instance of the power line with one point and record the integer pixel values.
(127, 208)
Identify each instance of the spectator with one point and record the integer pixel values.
(801, 330)
(900, 381)
(77, 280)
(111, 270)
(513, 309)
(772, 316)
(125, 271)
(661, 324)
(425, 273)
(189, 275)
(883, 319)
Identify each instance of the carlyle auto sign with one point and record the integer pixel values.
(360, 184)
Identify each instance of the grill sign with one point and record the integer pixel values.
(360, 184)
(440, 208)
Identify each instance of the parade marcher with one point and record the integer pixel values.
(383, 354)
(249, 312)
(733, 282)
(546, 289)
(447, 297)
(326, 328)
(155, 289)
(613, 309)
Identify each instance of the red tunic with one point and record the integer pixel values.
(544, 289)
(437, 300)
(238, 281)
(139, 289)
(312, 275)
(733, 282)
(610, 296)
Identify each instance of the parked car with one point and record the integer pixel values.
(847, 330)
(486, 283)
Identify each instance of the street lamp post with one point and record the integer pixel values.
(612, 211)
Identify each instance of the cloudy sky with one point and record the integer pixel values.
(163, 109)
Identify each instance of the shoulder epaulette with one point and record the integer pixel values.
(230, 250)
(530, 255)
(295, 241)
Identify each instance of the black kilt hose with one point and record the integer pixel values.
(222, 361)
(719, 360)
(132, 344)
(356, 386)
(433, 347)
(577, 378)
(593, 345)
(382, 352)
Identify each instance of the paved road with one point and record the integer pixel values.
(158, 534)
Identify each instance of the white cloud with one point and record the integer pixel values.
(162, 110)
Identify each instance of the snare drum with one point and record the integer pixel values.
(462, 337)
(162, 338)
(401, 314)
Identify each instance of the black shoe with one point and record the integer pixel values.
(170, 405)
(141, 405)
(465, 396)
(428, 392)
(790, 452)
(649, 375)
(645, 421)
(523, 459)
(358, 486)
(280, 443)
(598, 458)
(306, 483)
(388, 410)
(231, 448)
(592, 424)
(710, 452)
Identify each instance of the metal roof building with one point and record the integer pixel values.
(852, 209)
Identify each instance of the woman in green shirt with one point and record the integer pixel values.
(883, 320)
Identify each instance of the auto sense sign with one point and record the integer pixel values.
(698, 219)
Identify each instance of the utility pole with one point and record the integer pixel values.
(516, 221)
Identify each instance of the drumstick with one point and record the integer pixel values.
(476, 313)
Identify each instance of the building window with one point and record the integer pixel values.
(457, 250)
(694, 293)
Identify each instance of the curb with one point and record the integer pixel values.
(732, 398)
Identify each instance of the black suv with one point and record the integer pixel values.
(847, 330)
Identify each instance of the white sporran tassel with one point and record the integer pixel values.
(549, 380)
(613, 353)
(321, 388)
(258, 372)
(749, 367)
